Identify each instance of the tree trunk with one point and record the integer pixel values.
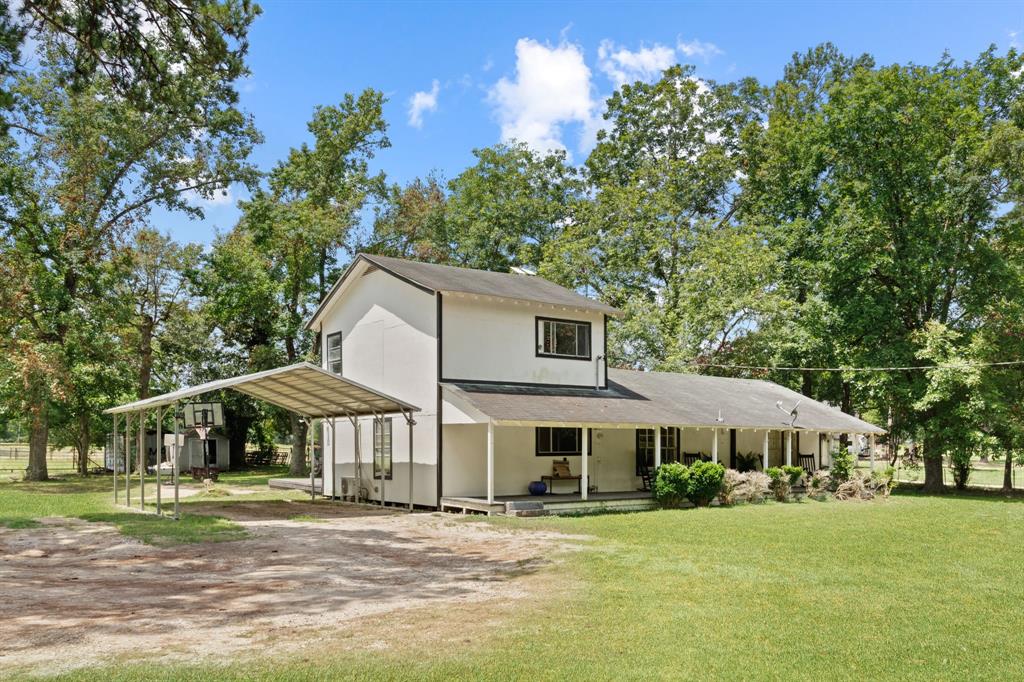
(39, 435)
(297, 465)
(145, 355)
(1008, 473)
(932, 468)
(82, 443)
(238, 438)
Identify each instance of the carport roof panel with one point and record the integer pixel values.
(303, 388)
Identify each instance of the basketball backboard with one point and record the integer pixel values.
(202, 415)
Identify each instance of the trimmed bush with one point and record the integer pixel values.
(842, 467)
(779, 483)
(796, 474)
(705, 482)
(671, 484)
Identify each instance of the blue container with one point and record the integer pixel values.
(537, 487)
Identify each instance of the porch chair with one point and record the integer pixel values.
(691, 458)
(646, 478)
(806, 462)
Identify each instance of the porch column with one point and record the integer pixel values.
(657, 445)
(585, 449)
(764, 452)
(871, 450)
(714, 445)
(789, 448)
(490, 462)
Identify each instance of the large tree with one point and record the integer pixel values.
(83, 167)
(291, 232)
(663, 181)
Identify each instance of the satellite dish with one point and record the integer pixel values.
(791, 412)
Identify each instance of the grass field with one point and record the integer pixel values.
(913, 587)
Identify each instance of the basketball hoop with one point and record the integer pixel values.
(202, 432)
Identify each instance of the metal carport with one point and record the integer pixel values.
(304, 388)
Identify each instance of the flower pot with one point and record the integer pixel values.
(537, 487)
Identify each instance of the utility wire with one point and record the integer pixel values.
(963, 365)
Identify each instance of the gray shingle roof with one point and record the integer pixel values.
(659, 398)
(486, 283)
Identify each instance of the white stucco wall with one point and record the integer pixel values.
(388, 343)
(494, 340)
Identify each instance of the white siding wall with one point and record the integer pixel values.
(494, 340)
(389, 344)
(612, 463)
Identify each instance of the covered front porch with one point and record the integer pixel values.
(601, 467)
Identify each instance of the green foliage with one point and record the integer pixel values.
(960, 462)
(671, 484)
(842, 466)
(796, 474)
(779, 485)
(704, 483)
(747, 461)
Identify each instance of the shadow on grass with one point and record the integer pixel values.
(164, 530)
(949, 492)
(17, 523)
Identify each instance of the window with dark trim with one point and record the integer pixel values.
(562, 441)
(382, 447)
(645, 447)
(334, 353)
(563, 338)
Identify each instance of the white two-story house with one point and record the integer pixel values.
(510, 376)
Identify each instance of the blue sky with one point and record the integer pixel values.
(540, 71)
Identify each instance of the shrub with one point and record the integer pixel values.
(960, 464)
(756, 487)
(705, 482)
(796, 474)
(884, 481)
(842, 467)
(746, 463)
(732, 484)
(779, 483)
(818, 485)
(671, 484)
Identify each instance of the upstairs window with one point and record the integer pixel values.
(334, 353)
(563, 339)
(382, 447)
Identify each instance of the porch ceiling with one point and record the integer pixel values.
(302, 388)
(637, 399)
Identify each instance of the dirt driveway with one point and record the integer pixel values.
(77, 593)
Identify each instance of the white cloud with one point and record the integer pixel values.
(423, 101)
(222, 196)
(698, 48)
(551, 88)
(627, 66)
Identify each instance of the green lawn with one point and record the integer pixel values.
(909, 588)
